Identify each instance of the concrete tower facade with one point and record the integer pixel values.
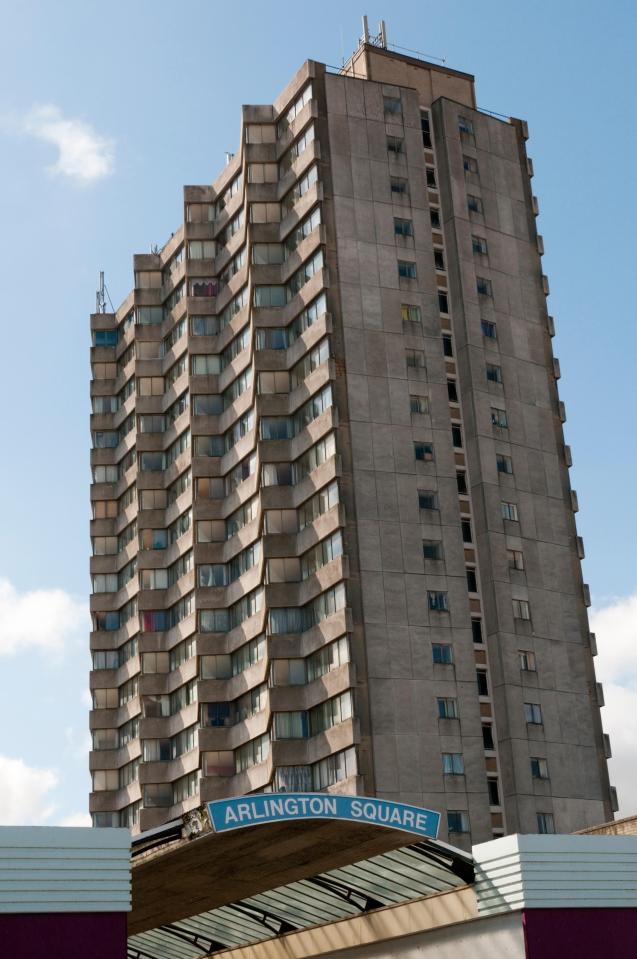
(334, 543)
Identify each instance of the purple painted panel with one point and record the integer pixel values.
(63, 935)
(580, 933)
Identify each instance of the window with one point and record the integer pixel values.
(499, 418)
(427, 499)
(464, 125)
(509, 512)
(539, 768)
(410, 314)
(432, 549)
(325, 552)
(392, 105)
(489, 329)
(434, 214)
(403, 227)
(438, 601)
(260, 133)
(399, 186)
(452, 391)
(442, 653)
(203, 287)
(527, 660)
(461, 483)
(201, 250)
(456, 436)
(465, 525)
(406, 270)
(483, 286)
(457, 821)
(269, 296)
(447, 708)
(443, 301)
(319, 504)
(105, 439)
(298, 147)
(470, 164)
(521, 609)
(431, 178)
(479, 245)
(472, 580)
(267, 253)
(415, 359)
(447, 344)
(494, 792)
(418, 404)
(482, 682)
(474, 204)
(424, 452)
(265, 213)
(515, 558)
(487, 736)
(105, 337)
(105, 404)
(252, 753)
(533, 714)
(263, 173)
(294, 110)
(300, 188)
(439, 259)
(494, 373)
(334, 769)
(504, 463)
(304, 274)
(104, 508)
(545, 823)
(395, 145)
(476, 630)
(425, 128)
(452, 764)
(291, 725)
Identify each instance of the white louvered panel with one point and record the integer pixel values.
(522, 872)
(56, 869)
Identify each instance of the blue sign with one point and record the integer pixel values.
(226, 814)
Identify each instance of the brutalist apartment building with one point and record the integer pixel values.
(334, 544)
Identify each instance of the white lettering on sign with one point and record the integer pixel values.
(263, 808)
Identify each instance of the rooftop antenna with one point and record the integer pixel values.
(100, 296)
(379, 39)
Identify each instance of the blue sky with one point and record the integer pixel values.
(144, 97)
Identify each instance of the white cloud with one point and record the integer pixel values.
(83, 154)
(76, 819)
(41, 618)
(24, 796)
(615, 626)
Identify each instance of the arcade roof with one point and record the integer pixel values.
(195, 897)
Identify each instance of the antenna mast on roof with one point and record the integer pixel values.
(380, 40)
(100, 296)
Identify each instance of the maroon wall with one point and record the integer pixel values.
(63, 935)
(580, 933)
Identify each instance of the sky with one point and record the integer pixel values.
(106, 110)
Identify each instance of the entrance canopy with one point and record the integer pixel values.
(193, 897)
